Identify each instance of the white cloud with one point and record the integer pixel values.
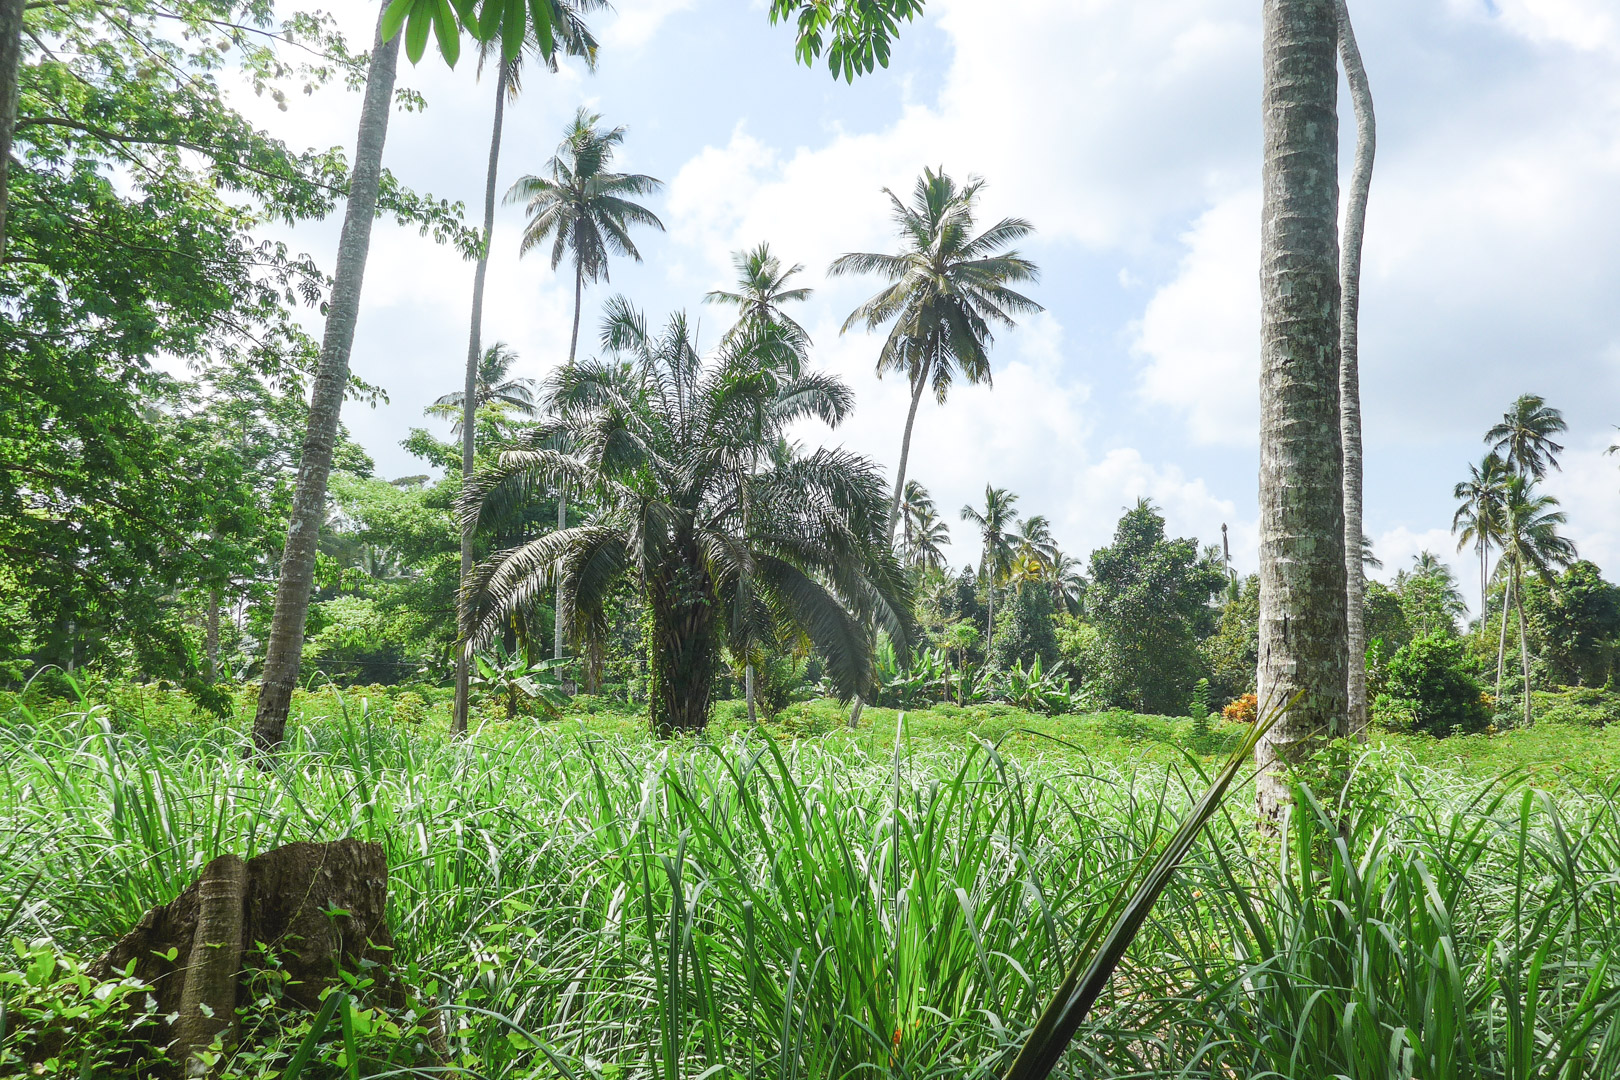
(1200, 334)
(638, 21)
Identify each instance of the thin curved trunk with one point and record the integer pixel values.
(469, 406)
(331, 379)
(211, 632)
(1302, 558)
(1501, 639)
(11, 24)
(989, 609)
(562, 490)
(1355, 225)
(748, 691)
(1524, 650)
(917, 385)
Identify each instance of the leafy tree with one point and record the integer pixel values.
(1576, 621)
(1428, 679)
(1232, 653)
(1431, 602)
(995, 524)
(1025, 630)
(1148, 596)
(856, 35)
(947, 286)
(1523, 437)
(1478, 520)
(1385, 617)
(658, 432)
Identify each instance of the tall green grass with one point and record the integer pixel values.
(612, 907)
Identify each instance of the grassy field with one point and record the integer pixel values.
(806, 901)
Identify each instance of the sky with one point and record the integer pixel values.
(1128, 133)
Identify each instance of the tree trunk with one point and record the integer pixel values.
(11, 23)
(331, 379)
(211, 635)
(1355, 224)
(557, 622)
(1524, 650)
(989, 610)
(469, 407)
(748, 692)
(1302, 557)
(579, 297)
(684, 645)
(917, 385)
(208, 999)
(1501, 638)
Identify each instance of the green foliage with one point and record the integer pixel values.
(1150, 597)
(855, 34)
(1199, 710)
(1025, 629)
(1581, 706)
(1575, 625)
(1429, 681)
(1232, 653)
(515, 681)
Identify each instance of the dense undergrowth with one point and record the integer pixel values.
(807, 902)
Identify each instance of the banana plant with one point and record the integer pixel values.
(512, 678)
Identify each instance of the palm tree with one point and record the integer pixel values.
(494, 386)
(1530, 541)
(582, 209)
(995, 524)
(1524, 436)
(1355, 227)
(915, 503)
(1068, 584)
(586, 212)
(566, 28)
(1033, 538)
(947, 286)
(1478, 520)
(721, 553)
(284, 647)
(928, 539)
(762, 289)
(1303, 581)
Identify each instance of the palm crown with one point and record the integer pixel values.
(495, 387)
(762, 289)
(727, 536)
(1524, 436)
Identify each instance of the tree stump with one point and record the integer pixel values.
(313, 907)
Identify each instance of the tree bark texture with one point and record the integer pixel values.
(558, 623)
(1501, 638)
(1302, 556)
(279, 899)
(211, 635)
(748, 692)
(1355, 227)
(469, 406)
(917, 385)
(11, 23)
(208, 994)
(684, 646)
(1524, 651)
(331, 377)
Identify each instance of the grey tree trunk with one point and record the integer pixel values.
(917, 385)
(208, 1000)
(11, 23)
(989, 609)
(1355, 225)
(562, 491)
(469, 407)
(1501, 638)
(1524, 650)
(1302, 557)
(748, 692)
(331, 377)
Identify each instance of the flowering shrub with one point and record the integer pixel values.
(1243, 710)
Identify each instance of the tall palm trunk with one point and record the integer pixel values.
(11, 23)
(211, 635)
(1501, 638)
(1524, 649)
(562, 489)
(1355, 225)
(1302, 558)
(918, 382)
(990, 612)
(748, 691)
(331, 378)
(469, 405)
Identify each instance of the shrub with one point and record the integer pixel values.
(1199, 710)
(1243, 710)
(410, 708)
(1430, 676)
(1586, 706)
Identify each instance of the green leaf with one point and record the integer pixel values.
(448, 32)
(416, 29)
(306, 1049)
(513, 28)
(541, 11)
(394, 18)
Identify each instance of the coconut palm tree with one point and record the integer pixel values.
(1524, 436)
(721, 553)
(565, 28)
(762, 289)
(915, 503)
(1478, 520)
(495, 386)
(995, 523)
(583, 210)
(1068, 584)
(1530, 541)
(586, 213)
(1303, 588)
(946, 288)
(928, 539)
(1033, 539)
